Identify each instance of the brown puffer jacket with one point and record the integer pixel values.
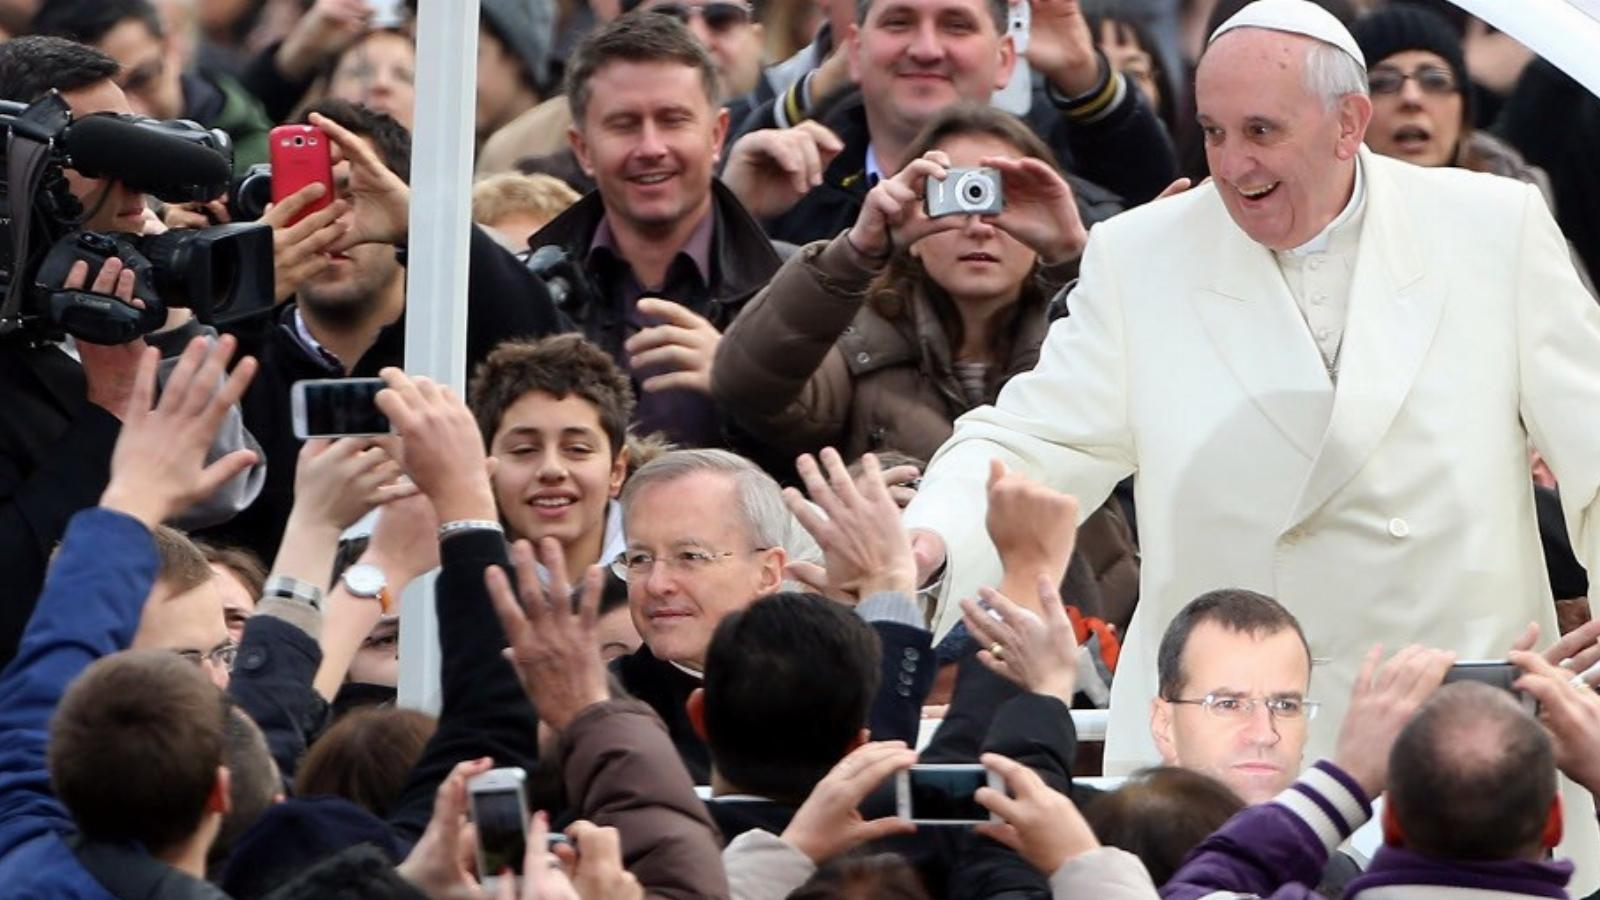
(808, 364)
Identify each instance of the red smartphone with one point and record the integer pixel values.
(301, 155)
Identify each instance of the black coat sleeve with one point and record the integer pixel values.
(908, 670)
(272, 681)
(504, 299)
(484, 711)
(1036, 731)
(1128, 152)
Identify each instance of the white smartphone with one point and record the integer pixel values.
(1017, 96)
(500, 811)
(337, 407)
(388, 13)
(944, 794)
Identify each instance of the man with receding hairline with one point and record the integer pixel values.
(1325, 367)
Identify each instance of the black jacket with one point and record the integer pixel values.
(504, 301)
(1119, 161)
(272, 682)
(908, 670)
(483, 709)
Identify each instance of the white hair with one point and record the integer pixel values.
(1332, 74)
(759, 499)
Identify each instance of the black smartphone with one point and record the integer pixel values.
(337, 407)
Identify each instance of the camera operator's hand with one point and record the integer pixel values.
(441, 447)
(1039, 209)
(829, 822)
(1383, 701)
(196, 215)
(1037, 652)
(1041, 824)
(158, 468)
(441, 864)
(321, 34)
(684, 345)
(892, 216)
(108, 369)
(1034, 529)
(771, 169)
(382, 202)
(556, 653)
(299, 251)
(1570, 713)
(863, 541)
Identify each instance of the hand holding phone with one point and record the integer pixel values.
(1495, 673)
(500, 811)
(944, 794)
(337, 407)
(300, 155)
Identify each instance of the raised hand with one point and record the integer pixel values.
(864, 545)
(770, 170)
(158, 468)
(321, 34)
(1061, 47)
(892, 214)
(1570, 711)
(830, 822)
(556, 653)
(337, 482)
(684, 344)
(1039, 210)
(1037, 652)
(381, 200)
(300, 251)
(442, 448)
(1383, 701)
(1040, 823)
(1034, 529)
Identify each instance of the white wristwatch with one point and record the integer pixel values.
(368, 582)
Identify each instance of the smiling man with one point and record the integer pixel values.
(1326, 367)
(671, 254)
(708, 533)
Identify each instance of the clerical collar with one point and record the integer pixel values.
(1319, 244)
(874, 171)
(696, 675)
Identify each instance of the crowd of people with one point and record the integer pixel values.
(1256, 420)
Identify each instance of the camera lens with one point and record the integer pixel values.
(974, 191)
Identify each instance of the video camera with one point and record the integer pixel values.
(222, 274)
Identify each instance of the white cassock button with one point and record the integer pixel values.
(1398, 528)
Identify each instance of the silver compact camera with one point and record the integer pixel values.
(965, 192)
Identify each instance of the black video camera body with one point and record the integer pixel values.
(222, 274)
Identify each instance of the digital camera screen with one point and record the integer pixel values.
(946, 795)
(345, 406)
(502, 833)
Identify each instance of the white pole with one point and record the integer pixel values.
(436, 277)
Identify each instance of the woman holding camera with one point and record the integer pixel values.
(880, 338)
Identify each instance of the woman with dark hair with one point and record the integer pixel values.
(366, 757)
(881, 337)
(1131, 49)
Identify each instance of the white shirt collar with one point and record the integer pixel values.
(874, 171)
(1319, 244)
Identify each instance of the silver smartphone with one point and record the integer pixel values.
(337, 407)
(1017, 96)
(388, 13)
(944, 794)
(500, 812)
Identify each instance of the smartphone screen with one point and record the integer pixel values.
(337, 407)
(1493, 673)
(502, 835)
(946, 793)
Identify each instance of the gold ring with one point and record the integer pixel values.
(997, 650)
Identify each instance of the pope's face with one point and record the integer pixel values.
(1281, 159)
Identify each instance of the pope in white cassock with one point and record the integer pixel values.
(1325, 367)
